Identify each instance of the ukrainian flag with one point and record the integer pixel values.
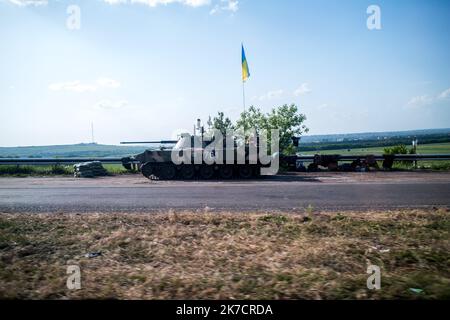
(245, 70)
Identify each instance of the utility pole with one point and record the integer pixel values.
(92, 133)
(415, 143)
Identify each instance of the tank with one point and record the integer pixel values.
(196, 158)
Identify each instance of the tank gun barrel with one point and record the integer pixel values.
(151, 142)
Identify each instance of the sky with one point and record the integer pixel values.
(147, 69)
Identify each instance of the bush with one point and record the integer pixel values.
(60, 170)
(17, 170)
(441, 166)
(400, 149)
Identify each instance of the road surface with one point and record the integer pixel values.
(289, 193)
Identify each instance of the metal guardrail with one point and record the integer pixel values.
(397, 157)
(357, 161)
(56, 161)
(422, 157)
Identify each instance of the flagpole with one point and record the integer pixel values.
(243, 93)
(243, 100)
(245, 75)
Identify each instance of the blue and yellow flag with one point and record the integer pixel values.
(245, 70)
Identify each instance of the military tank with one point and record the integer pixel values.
(197, 159)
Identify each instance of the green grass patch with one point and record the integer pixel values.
(24, 170)
(55, 170)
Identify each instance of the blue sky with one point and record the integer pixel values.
(148, 69)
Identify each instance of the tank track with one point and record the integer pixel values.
(169, 171)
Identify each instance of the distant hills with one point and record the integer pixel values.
(373, 135)
(371, 140)
(307, 143)
(71, 151)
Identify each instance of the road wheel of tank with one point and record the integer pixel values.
(167, 172)
(188, 172)
(257, 171)
(245, 172)
(147, 170)
(206, 172)
(226, 172)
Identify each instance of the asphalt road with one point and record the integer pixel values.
(285, 193)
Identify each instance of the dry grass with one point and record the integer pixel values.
(201, 255)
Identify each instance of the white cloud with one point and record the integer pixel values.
(272, 95)
(420, 101)
(302, 90)
(445, 94)
(78, 86)
(74, 86)
(230, 5)
(225, 5)
(108, 83)
(425, 100)
(115, 1)
(233, 6)
(24, 3)
(155, 3)
(111, 105)
(275, 94)
(196, 3)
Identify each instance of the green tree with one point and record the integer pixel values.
(286, 118)
(252, 118)
(222, 123)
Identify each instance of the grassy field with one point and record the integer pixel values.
(425, 148)
(200, 255)
(45, 170)
(70, 151)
